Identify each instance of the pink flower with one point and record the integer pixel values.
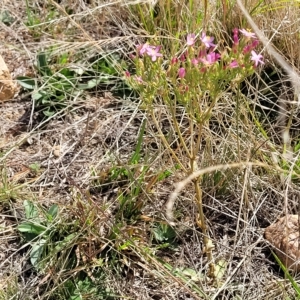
(248, 33)
(257, 58)
(207, 40)
(235, 36)
(250, 47)
(142, 49)
(174, 60)
(195, 61)
(181, 72)
(247, 49)
(190, 40)
(127, 74)
(233, 64)
(211, 58)
(254, 43)
(182, 57)
(154, 52)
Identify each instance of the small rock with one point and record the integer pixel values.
(284, 237)
(56, 151)
(7, 86)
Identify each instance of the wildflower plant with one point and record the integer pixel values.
(194, 80)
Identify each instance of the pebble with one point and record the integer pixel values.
(284, 237)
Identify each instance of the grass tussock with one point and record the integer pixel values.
(146, 149)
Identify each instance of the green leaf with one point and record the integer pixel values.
(67, 73)
(6, 18)
(288, 276)
(220, 269)
(37, 95)
(48, 113)
(164, 175)
(32, 228)
(35, 167)
(89, 85)
(37, 251)
(137, 153)
(164, 232)
(62, 244)
(31, 211)
(297, 147)
(26, 82)
(63, 59)
(52, 212)
(192, 274)
(42, 64)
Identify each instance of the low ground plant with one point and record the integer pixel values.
(58, 85)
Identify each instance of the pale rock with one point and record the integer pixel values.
(7, 86)
(56, 151)
(284, 237)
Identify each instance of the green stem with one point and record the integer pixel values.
(179, 134)
(208, 246)
(165, 142)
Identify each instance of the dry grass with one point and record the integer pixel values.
(84, 158)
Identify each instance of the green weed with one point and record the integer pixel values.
(9, 190)
(36, 22)
(39, 230)
(290, 278)
(57, 84)
(6, 17)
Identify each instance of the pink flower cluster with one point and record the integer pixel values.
(251, 44)
(207, 59)
(152, 51)
(205, 39)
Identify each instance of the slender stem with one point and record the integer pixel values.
(193, 152)
(237, 125)
(197, 147)
(165, 142)
(200, 220)
(202, 224)
(179, 134)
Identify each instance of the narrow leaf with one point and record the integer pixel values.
(53, 210)
(26, 82)
(31, 211)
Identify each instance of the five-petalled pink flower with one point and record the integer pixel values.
(207, 40)
(257, 58)
(190, 40)
(142, 49)
(211, 58)
(154, 52)
(248, 33)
